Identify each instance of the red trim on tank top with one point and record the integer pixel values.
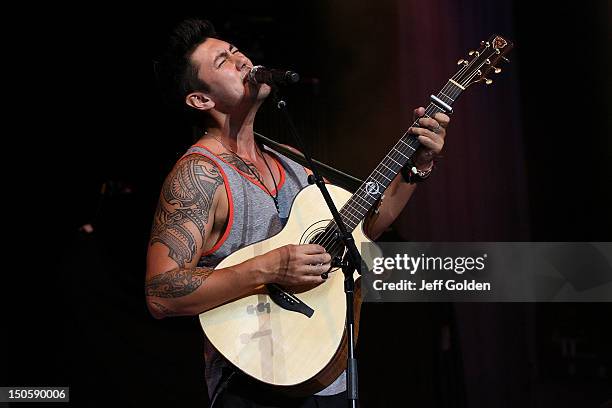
(246, 175)
(230, 200)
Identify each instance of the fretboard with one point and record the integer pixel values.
(372, 188)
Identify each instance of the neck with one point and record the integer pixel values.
(235, 131)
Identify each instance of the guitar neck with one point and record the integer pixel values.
(482, 62)
(372, 188)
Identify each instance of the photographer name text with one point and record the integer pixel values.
(435, 285)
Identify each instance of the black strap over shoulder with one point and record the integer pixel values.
(335, 176)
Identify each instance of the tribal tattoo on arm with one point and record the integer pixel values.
(177, 282)
(184, 208)
(163, 309)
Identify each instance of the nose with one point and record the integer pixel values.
(240, 61)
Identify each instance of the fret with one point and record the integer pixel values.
(399, 164)
(434, 109)
(350, 223)
(351, 210)
(355, 202)
(456, 84)
(365, 198)
(346, 214)
(382, 174)
(401, 153)
(361, 211)
(407, 144)
(442, 94)
(386, 165)
(358, 196)
(352, 218)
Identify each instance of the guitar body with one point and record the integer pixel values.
(279, 347)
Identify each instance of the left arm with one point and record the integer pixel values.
(431, 136)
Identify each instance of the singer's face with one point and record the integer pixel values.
(225, 69)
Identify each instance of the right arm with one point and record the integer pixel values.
(181, 231)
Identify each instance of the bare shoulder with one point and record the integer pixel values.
(192, 184)
(185, 212)
(197, 170)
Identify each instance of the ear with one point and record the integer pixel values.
(200, 101)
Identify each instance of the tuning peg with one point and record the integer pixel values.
(462, 61)
(496, 70)
(505, 59)
(473, 53)
(488, 81)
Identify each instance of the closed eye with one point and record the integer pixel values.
(226, 55)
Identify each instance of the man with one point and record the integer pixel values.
(227, 192)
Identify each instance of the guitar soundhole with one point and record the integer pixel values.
(314, 233)
(325, 234)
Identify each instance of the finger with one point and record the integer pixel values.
(314, 279)
(329, 271)
(418, 112)
(317, 269)
(442, 119)
(317, 259)
(437, 137)
(311, 249)
(309, 279)
(429, 123)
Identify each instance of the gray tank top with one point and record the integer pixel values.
(252, 218)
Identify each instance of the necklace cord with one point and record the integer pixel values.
(274, 196)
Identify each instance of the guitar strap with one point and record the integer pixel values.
(334, 175)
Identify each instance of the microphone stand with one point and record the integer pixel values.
(351, 263)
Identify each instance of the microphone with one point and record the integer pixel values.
(262, 75)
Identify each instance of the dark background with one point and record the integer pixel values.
(527, 158)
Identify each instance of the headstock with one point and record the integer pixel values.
(486, 59)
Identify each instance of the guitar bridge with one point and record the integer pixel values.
(288, 301)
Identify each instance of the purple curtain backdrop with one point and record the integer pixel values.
(478, 192)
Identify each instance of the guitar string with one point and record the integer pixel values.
(394, 154)
(445, 91)
(336, 243)
(348, 208)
